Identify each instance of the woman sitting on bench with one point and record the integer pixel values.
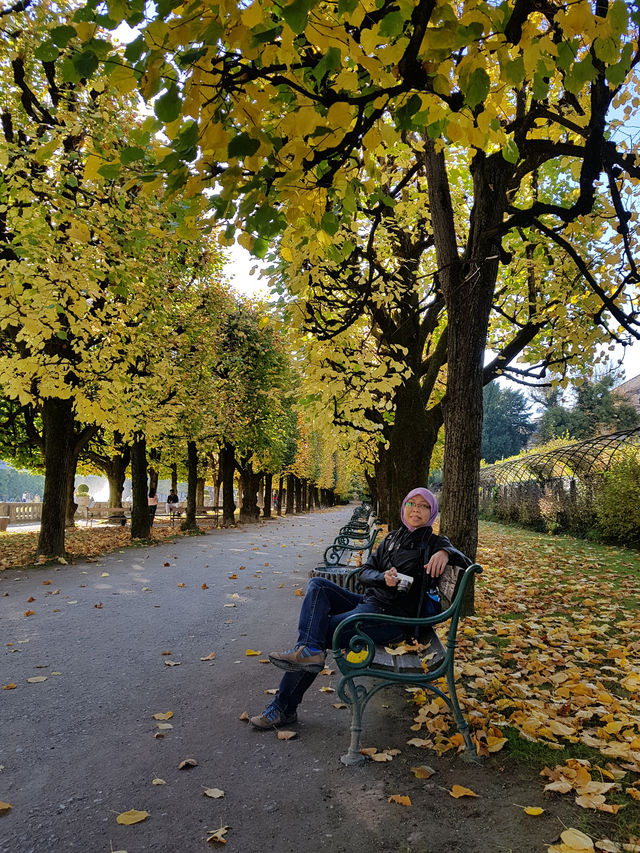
(413, 551)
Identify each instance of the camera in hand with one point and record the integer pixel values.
(404, 582)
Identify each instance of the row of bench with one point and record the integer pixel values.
(366, 667)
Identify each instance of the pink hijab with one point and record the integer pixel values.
(429, 497)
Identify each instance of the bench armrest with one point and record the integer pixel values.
(361, 641)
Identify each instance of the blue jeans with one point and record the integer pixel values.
(325, 605)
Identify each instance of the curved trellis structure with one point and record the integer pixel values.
(579, 460)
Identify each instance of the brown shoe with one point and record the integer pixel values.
(300, 659)
(271, 718)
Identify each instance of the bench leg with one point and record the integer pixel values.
(354, 694)
(470, 754)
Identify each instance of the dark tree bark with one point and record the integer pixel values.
(174, 477)
(58, 429)
(140, 527)
(200, 492)
(114, 467)
(249, 511)
(303, 496)
(298, 491)
(291, 488)
(268, 486)
(227, 468)
(281, 492)
(190, 522)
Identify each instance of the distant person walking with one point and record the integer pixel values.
(152, 500)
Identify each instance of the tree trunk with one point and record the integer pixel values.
(268, 486)
(189, 522)
(298, 490)
(117, 474)
(72, 506)
(174, 477)
(140, 528)
(280, 494)
(303, 496)
(58, 429)
(291, 486)
(200, 491)
(249, 511)
(227, 470)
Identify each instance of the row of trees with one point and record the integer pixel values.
(426, 180)
(120, 343)
(434, 179)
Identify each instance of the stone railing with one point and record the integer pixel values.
(21, 513)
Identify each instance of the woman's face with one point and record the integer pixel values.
(417, 511)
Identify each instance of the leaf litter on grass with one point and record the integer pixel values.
(551, 658)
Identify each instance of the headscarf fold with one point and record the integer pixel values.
(429, 497)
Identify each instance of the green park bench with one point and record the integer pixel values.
(380, 669)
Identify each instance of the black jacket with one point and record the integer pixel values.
(408, 552)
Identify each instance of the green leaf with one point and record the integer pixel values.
(566, 55)
(608, 50)
(515, 70)
(135, 49)
(191, 56)
(68, 71)
(242, 145)
(109, 171)
(131, 154)
(392, 24)
(540, 86)
(61, 333)
(347, 6)
(47, 52)
(85, 62)
(477, 87)
(61, 36)
(186, 142)
(295, 14)
(404, 114)
(616, 73)
(511, 152)
(260, 247)
(329, 62)
(167, 107)
(329, 223)
(618, 17)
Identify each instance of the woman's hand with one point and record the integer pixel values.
(437, 564)
(391, 577)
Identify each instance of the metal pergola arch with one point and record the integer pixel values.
(580, 459)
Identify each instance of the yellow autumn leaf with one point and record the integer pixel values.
(495, 744)
(534, 811)
(188, 762)
(458, 791)
(158, 781)
(131, 817)
(11, 686)
(327, 690)
(210, 656)
(217, 837)
(250, 652)
(285, 735)
(357, 657)
(163, 716)
(5, 807)
(299, 592)
(37, 679)
(423, 771)
(577, 840)
(401, 799)
(214, 793)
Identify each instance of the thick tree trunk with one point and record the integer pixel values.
(58, 428)
(200, 491)
(298, 488)
(174, 477)
(281, 492)
(303, 496)
(189, 522)
(468, 285)
(268, 486)
(249, 511)
(291, 487)
(227, 470)
(117, 474)
(382, 486)
(140, 528)
(72, 506)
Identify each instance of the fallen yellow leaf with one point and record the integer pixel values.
(188, 762)
(131, 817)
(11, 686)
(357, 657)
(158, 781)
(5, 807)
(217, 836)
(285, 735)
(250, 652)
(299, 592)
(576, 839)
(214, 793)
(534, 811)
(37, 679)
(210, 656)
(401, 799)
(458, 791)
(423, 771)
(163, 716)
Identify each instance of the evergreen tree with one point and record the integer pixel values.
(506, 425)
